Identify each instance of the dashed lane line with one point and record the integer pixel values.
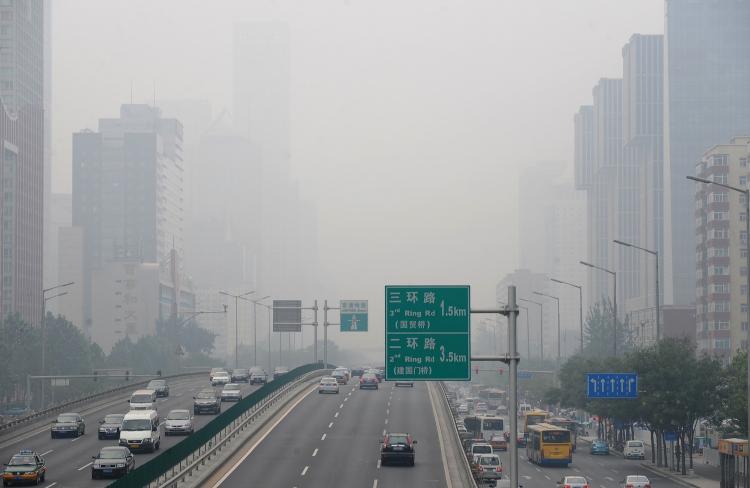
(85, 466)
(330, 425)
(47, 452)
(323, 438)
(336, 415)
(51, 485)
(378, 464)
(304, 471)
(375, 483)
(315, 452)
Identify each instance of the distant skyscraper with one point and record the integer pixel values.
(707, 100)
(128, 199)
(22, 162)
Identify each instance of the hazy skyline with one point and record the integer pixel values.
(409, 120)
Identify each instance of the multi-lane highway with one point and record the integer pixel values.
(334, 440)
(69, 459)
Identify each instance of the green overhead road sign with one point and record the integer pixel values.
(353, 315)
(427, 333)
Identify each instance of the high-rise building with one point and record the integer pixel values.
(128, 199)
(22, 161)
(707, 75)
(720, 250)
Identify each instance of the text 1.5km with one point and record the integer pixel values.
(451, 311)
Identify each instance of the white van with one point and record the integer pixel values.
(143, 400)
(140, 431)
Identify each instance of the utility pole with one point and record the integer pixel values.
(43, 325)
(237, 298)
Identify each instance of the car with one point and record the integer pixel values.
(520, 438)
(397, 448)
(68, 424)
(221, 378)
(240, 375)
(573, 482)
(279, 371)
(347, 373)
(231, 393)
(144, 399)
(328, 386)
(481, 408)
(160, 387)
(341, 376)
(599, 447)
(463, 409)
(206, 401)
(368, 380)
(634, 450)
(488, 467)
(113, 462)
(258, 376)
(215, 371)
(179, 421)
(498, 443)
(358, 371)
(378, 373)
(635, 481)
(109, 426)
(140, 431)
(25, 467)
(482, 447)
(404, 383)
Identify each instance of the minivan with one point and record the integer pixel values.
(140, 431)
(143, 400)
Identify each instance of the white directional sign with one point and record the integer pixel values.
(287, 315)
(353, 315)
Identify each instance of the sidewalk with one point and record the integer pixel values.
(693, 481)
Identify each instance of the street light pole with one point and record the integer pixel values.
(614, 311)
(746, 193)
(43, 325)
(557, 299)
(541, 325)
(580, 304)
(255, 329)
(237, 299)
(655, 254)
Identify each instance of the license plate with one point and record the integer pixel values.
(398, 448)
(136, 446)
(108, 471)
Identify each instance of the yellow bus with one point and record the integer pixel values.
(569, 424)
(549, 445)
(532, 418)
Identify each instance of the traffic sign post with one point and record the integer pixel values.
(353, 315)
(427, 333)
(612, 385)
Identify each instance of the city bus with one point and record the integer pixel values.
(532, 418)
(484, 426)
(494, 397)
(549, 445)
(569, 424)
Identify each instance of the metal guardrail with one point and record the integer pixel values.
(457, 437)
(87, 398)
(180, 460)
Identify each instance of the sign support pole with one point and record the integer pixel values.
(315, 324)
(325, 334)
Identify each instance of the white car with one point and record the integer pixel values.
(463, 408)
(221, 378)
(634, 450)
(231, 393)
(635, 481)
(573, 482)
(328, 386)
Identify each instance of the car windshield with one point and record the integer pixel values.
(369, 376)
(492, 424)
(113, 419)
(178, 415)
(397, 439)
(635, 444)
(136, 424)
(205, 394)
(231, 387)
(67, 418)
(111, 453)
(22, 460)
(482, 449)
(496, 438)
(575, 479)
(637, 479)
(240, 371)
(141, 399)
(489, 461)
(156, 383)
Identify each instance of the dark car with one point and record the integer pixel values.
(25, 467)
(340, 376)
(240, 375)
(160, 387)
(397, 448)
(112, 462)
(358, 371)
(368, 380)
(109, 426)
(206, 401)
(68, 424)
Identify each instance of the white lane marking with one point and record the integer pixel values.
(538, 470)
(47, 452)
(383, 431)
(336, 415)
(602, 486)
(527, 477)
(387, 411)
(51, 485)
(305, 470)
(375, 483)
(550, 479)
(341, 406)
(315, 452)
(323, 438)
(608, 478)
(330, 425)
(386, 421)
(345, 399)
(263, 437)
(615, 471)
(576, 470)
(85, 466)
(378, 463)
(73, 440)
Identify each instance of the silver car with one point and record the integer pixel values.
(179, 421)
(328, 386)
(231, 393)
(635, 481)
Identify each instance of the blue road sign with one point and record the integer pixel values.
(670, 436)
(524, 375)
(612, 385)
(353, 315)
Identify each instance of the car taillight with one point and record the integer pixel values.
(646, 486)
(499, 469)
(585, 486)
(628, 486)
(567, 486)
